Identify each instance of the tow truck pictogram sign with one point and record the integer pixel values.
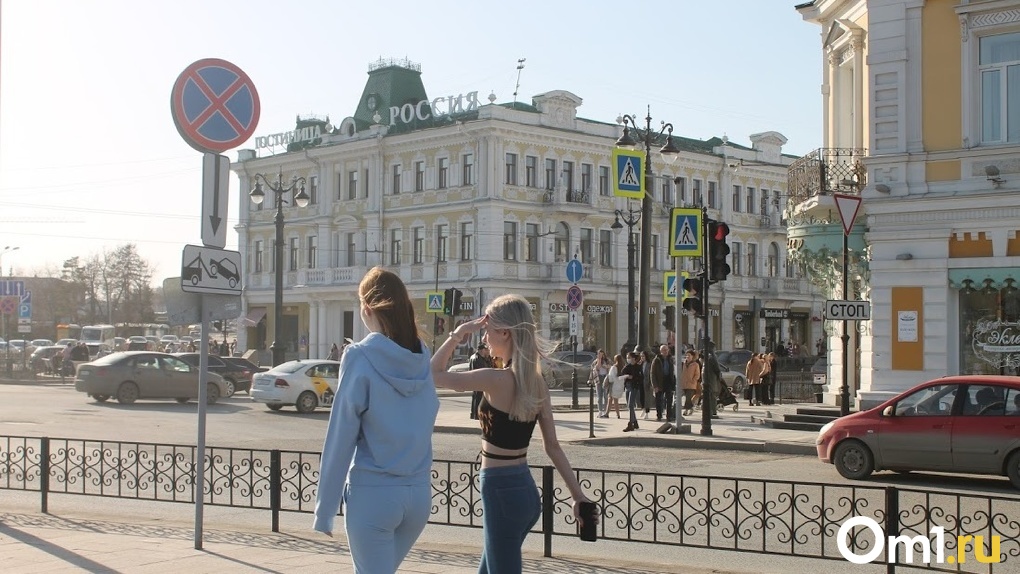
(209, 270)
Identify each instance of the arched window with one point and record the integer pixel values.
(562, 246)
(772, 261)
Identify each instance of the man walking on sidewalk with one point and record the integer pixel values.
(664, 382)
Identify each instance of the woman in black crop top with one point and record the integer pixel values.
(514, 399)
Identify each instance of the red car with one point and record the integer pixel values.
(967, 424)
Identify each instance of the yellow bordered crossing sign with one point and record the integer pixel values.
(628, 173)
(434, 301)
(669, 286)
(685, 232)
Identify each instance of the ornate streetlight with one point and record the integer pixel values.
(669, 154)
(301, 200)
(631, 219)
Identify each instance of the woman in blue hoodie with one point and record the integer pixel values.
(514, 399)
(378, 451)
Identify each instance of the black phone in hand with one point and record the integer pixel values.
(588, 529)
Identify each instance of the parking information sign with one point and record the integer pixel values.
(209, 270)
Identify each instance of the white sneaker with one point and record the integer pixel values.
(646, 416)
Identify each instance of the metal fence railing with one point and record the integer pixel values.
(745, 515)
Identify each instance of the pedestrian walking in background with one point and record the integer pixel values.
(514, 400)
(334, 353)
(753, 371)
(479, 360)
(599, 370)
(634, 380)
(382, 419)
(663, 378)
(768, 380)
(614, 385)
(711, 380)
(690, 380)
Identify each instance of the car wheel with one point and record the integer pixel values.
(231, 387)
(127, 393)
(738, 385)
(101, 398)
(212, 393)
(853, 460)
(306, 402)
(1013, 468)
(182, 400)
(274, 406)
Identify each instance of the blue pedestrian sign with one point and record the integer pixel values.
(669, 287)
(628, 173)
(574, 271)
(434, 301)
(685, 232)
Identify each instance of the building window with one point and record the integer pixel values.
(352, 184)
(313, 250)
(604, 189)
(667, 192)
(442, 238)
(511, 169)
(736, 258)
(352, 250)
(605, 248)
(587, 170)
(395, 187)
(999, 66)
(364, 185)
(531, 242)
(295, 252)
(711, 195)
(419, 176)
(418, 246)
(697, 191)
(467, 238)
(334, 250)
(750, 200)
(444, 171)
(313, 190)
(550, 174)
(509, 241)
(752, 260)
(568, 175)
(395, 236)
(468, 168)
(737, 192)
(764, 202)
(681, 190)
(655, 252)
(772, 261)
(587, 245)
(258, 257)
(531, 171)
(561, 247)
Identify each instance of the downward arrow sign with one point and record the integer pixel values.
(214, 219)
(215, 182)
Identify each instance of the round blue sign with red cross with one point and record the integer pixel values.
(214, 105)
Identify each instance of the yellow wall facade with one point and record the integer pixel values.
(941, 77)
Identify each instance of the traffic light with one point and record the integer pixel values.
(455, 305)
(692, 296)
(718, 269)
(669, 319)
(448, 302)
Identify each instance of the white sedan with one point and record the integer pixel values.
(305, 384)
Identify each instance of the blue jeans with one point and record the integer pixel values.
(510, 508)
(600, 393)
(383, 522)
(633, 395)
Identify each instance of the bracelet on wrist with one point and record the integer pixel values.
(455, 337)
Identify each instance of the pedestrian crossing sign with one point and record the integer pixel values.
(685, 232)
(434, 301)
(628, 173)
(669, 287)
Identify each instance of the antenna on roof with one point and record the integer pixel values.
(520, 66)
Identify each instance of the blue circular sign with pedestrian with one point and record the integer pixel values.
(574, 271)
(214, 105)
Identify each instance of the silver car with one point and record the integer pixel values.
(132, 375)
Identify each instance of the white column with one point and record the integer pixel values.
(313, 329)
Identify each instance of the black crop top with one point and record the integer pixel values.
(499, 430)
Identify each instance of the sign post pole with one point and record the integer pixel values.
(847, 206)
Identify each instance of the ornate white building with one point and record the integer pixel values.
(489, 198)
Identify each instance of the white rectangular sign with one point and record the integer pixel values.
(215, 190)
(906, 326)
(575, 320)
(837, 310)
(209, 270)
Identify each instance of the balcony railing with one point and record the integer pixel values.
(825, 171)
(578, 196)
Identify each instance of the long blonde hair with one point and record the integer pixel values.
(513, 313)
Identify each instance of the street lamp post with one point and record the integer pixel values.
(669, 153)
(301, 200)
(5, 250)
(631, 219)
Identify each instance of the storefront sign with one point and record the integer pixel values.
(453, 105)
(997, 342)
(558, 308)
(287, 138)
(599, 309)
(766, 313)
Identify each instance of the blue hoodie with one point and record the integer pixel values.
(382, 418)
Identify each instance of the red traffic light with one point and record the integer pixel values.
(721, 231)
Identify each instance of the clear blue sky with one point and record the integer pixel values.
(90, 158)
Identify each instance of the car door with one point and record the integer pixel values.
(144, 371)
(918, 434)
(181, 379)
(983, 431)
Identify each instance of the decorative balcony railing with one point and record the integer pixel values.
(578, 196)
(825, 171)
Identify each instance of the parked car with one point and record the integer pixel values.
(138, 343)
(306, 384)
(734, 379)
(132, 375)
(558, 369)
(237, 379)
(36, 343)
(65, 342)
(964, 424)
(734, 359)
(244, 370)
(42, 358)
